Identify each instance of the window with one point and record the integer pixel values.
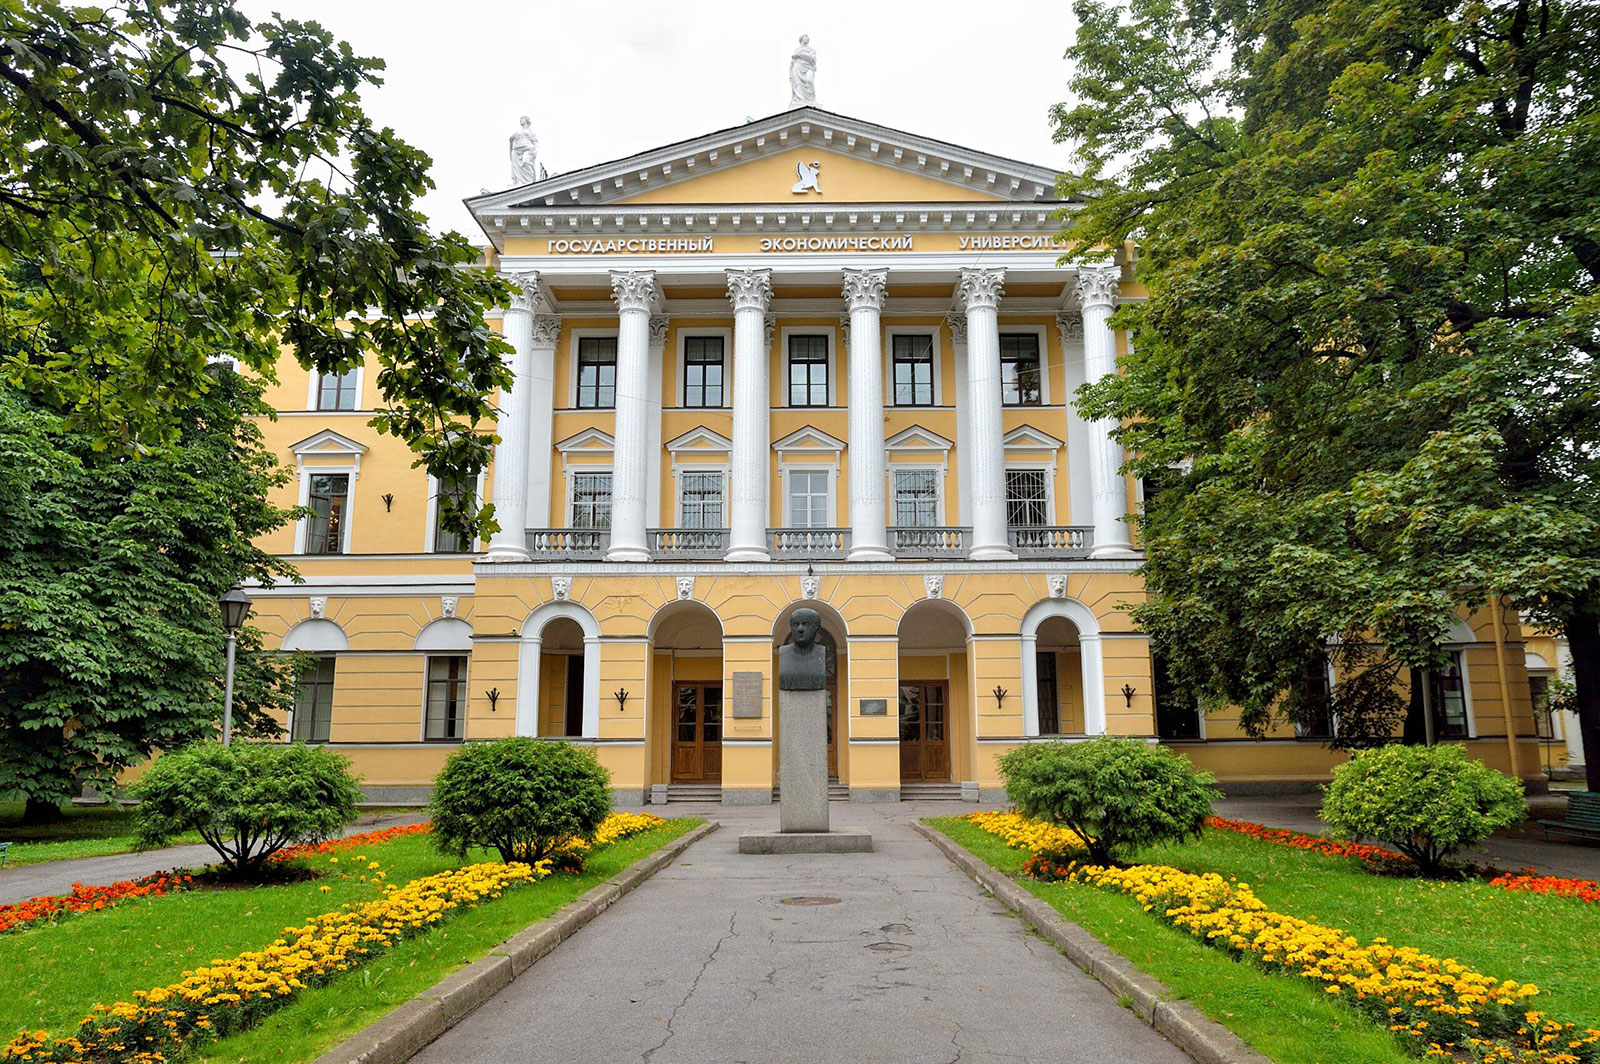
(702, 500)
(1049, 693)
(1027, 498)
(1447, 690)
(913, 370)
(591, 500)
(1177, 711)
(1316, 702)
(597, 372)
(916, 498)
(337, 391)
(808, 371)
(1539, 691)
(703, 369)
(1020, 381)
(808, 498)
(313, 702)
(329, 498)
(445, 712)
(454, 497)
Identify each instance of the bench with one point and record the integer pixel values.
(4, 847)
(1583, 817)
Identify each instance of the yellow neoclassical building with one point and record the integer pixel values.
(808, 360)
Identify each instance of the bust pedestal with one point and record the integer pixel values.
(803, 779)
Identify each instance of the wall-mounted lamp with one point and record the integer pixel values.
(388, 501)
(493, 694)
(622, 700)
(999, 696)
(1127, 693)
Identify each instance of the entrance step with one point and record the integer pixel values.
(837, 792)
(694, 792)
(930, 792)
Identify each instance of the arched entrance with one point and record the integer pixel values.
(933, 698)
(686, 694)
(1063, 686)
(835, 639)
(558, 673)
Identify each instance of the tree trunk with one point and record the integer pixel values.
(41, 812)
(1583, 639)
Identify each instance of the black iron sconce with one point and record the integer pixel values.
(493, 694)
(1127, 694)
(388, 501)
(622, 700)
(999, 697)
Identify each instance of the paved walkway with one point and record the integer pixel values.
(20, 882)
(1298, 812)
(705, 962)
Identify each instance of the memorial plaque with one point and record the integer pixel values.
(747, 694)
(874, 707)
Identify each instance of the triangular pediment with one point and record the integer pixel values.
(758, 162)
(917, 438)
(809, 438)
(1028, 438)
(701, 440)
(327, 442)
(588, 440)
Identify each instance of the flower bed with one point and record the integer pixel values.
(1445, 1008)
(1378, 856)
(350, 842)
(1529, 881)
(24, 914)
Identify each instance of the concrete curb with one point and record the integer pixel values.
(1203, 1038)
(402, 1033)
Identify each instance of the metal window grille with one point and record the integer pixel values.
(916, 498)
(591, 500)
(702, 500)
(1027, 498)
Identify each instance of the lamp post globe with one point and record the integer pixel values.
(235, 608)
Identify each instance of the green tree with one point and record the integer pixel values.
(1367, 369)
(111, 642)
(179, 183)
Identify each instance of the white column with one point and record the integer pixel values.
(529, 659)
(1094, 683)
(863, 294)
(636, 295)
(1097, 291)
(510, 543)
(658, 343)
(750, 291)
(1080, 501)
(591, 687)
(979, 293)
(1030, 684)
(541, 407)
(957, 325)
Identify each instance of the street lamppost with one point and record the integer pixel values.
(235, 608)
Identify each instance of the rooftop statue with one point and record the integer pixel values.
(524, 154)
(803, 74)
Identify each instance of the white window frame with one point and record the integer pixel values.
(302, 527)
(1333, 678)
(940, 471)
(678, 471)
(1049, 471)
(680, 366)
(1466, 691)
(831, 332)
(433, 515)
(1043, 333)
(466, 696)
(831, 469)
(573, 338)
(315, 388)
(937, 334)
(572, 471)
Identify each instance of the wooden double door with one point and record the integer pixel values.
(697, 733)
(925, 732)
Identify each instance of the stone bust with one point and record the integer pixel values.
(803, 664)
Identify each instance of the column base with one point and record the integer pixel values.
(992, 554)
(869, 552)
(1114, 550)
(747, 554)
(627, 554)
(505, 552)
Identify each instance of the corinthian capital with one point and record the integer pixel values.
(980, 288)
(526, 293)
(1098, 285)
(865, 288)
(635, 290)
(658, 330)
(750, 289)
(1071, 326)
(958, 329)
(546, 329)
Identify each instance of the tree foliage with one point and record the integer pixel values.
(179, 183)
(1116, 794)
(111, 642)
(247, 800)
(1366, 372)
(1428, 802)
(519, 797)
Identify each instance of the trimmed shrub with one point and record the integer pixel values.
(1428, 802)
(248, 800)
(1117, 794)
(520, 797)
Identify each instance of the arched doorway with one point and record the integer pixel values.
(1062, 675)
(835, 639)
(933, 682)
(558, 673)
(686, 694)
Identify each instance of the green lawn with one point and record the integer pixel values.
(51, 975)
(1552, 942)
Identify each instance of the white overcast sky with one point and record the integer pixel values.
(603, 80)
